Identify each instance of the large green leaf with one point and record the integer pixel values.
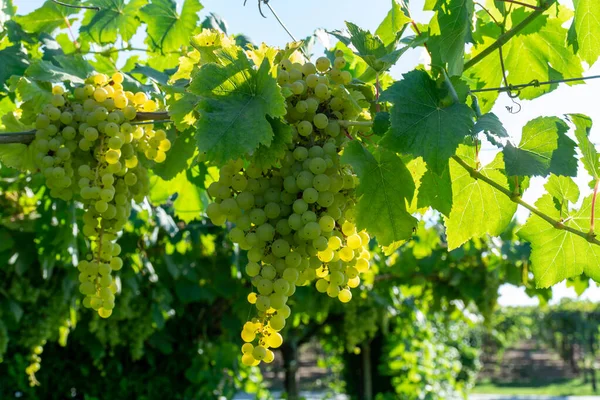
(586, 29)
(538, 142)
(181, 110)
(583, 125)
(449, 32)
(541, 54)
(190, 200)
(491, 126)
(49, 17)
(477, 208)
(393, 24)
(385, 186)
(35, 95)
(558, 254)
(14, 61)
(114, 18)
(371, 48)
(45, 71)
(178, 157)
(563, 189)
(538, 148)
(18, 156)
(420, 126)
(167, 29)
(485, 74)
(267, 156)
(435, 191)
(235, 102)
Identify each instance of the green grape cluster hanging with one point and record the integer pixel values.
(297, 219)
(87, 146)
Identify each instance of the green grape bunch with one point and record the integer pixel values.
(87, 146)
(296, 220)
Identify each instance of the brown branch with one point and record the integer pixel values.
(27, 137)
(520, 3)
(76, 6)
(17, 137)
(505, 37)
(517, 199)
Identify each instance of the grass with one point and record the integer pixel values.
(565, 387)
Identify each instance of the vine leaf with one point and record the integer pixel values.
(583, 125)
(579, 283)
(370, 48)
(420, 126)
(181, 110)
(585, 30)
(46, 19)
(385, 187)
(34, 94)
(393, 25)
(485, 74)
(539, 145)
(18, 156)
(114, 18)
(557, 254)
(168, 30)
(267, 156)
(178, 157)
(14, 62)
(236, 100)
(45, 71)
(206, 43)
(477, 208)
(540, 53)
(435, 191)
(190, 200)
(491, 126)
(449, 32)
(381, 123)
(563, 189)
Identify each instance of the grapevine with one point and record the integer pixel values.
(308, 167)
(87, 146)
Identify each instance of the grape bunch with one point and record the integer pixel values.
(296, 220)
(87, 146)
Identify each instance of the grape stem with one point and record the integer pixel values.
(346, 124)
(27, 137)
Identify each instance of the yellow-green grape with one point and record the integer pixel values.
(323, 64)
(85, 148)
(295, 219)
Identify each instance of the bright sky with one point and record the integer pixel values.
(303, 17)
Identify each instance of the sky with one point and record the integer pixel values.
(303, 17)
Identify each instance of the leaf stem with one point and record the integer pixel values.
(505, 37)
(76, 6)
(517, 199)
